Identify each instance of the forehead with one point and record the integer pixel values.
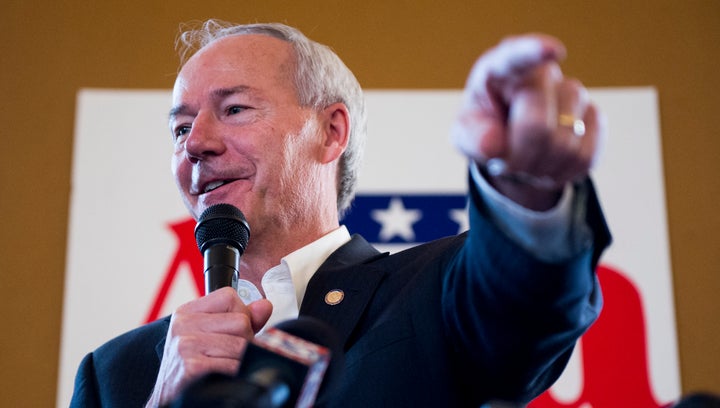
(238, 60)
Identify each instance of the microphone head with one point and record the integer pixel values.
(222, 224)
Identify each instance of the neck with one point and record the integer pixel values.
(300, 223)
(265, 251)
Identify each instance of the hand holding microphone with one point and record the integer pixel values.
(284, 367)
(210, 334)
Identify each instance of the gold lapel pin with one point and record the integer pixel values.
(334, 297)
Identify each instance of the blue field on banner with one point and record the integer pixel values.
(407, 218)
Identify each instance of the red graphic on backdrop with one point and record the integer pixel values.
(187, 254)
(614, 350)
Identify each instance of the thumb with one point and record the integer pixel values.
(479, 136)
(260, 311)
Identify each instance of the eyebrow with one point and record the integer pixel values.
(216, 94)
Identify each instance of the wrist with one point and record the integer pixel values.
(533, 193)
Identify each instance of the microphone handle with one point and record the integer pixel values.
(221, 267)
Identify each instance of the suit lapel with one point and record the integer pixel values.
(343, 285)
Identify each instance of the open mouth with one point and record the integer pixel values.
(215, 185)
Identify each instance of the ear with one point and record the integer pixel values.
(336, 131)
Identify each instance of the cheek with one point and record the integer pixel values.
(179, 171)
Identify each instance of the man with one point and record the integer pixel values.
(273, 123)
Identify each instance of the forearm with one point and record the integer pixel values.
(534, 310)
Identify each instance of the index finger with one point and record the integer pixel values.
(502, 67)
(218, 301)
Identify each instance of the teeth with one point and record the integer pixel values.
(212, 186)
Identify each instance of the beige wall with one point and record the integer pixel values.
(50, 51)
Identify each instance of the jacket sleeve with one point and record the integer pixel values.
(121, 372)
(515, 316)
(85, 393)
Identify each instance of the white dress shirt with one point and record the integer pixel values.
(285, 284)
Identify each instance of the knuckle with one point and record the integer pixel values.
(185, 346)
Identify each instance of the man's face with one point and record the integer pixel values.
(240, 136)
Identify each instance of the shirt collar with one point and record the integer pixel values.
(305, 261)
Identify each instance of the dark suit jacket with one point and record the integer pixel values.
(455, 322)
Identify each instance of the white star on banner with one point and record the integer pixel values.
(396, 221)
(461, 217)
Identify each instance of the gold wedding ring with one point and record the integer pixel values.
(577, 125)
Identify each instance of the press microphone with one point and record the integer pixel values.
(222, 233)
(285, 366)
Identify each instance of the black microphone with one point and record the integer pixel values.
(222, 233)
(285, 366)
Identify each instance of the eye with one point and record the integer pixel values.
(235, 109)
(181, 131)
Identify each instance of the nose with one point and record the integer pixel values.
(205, 138)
